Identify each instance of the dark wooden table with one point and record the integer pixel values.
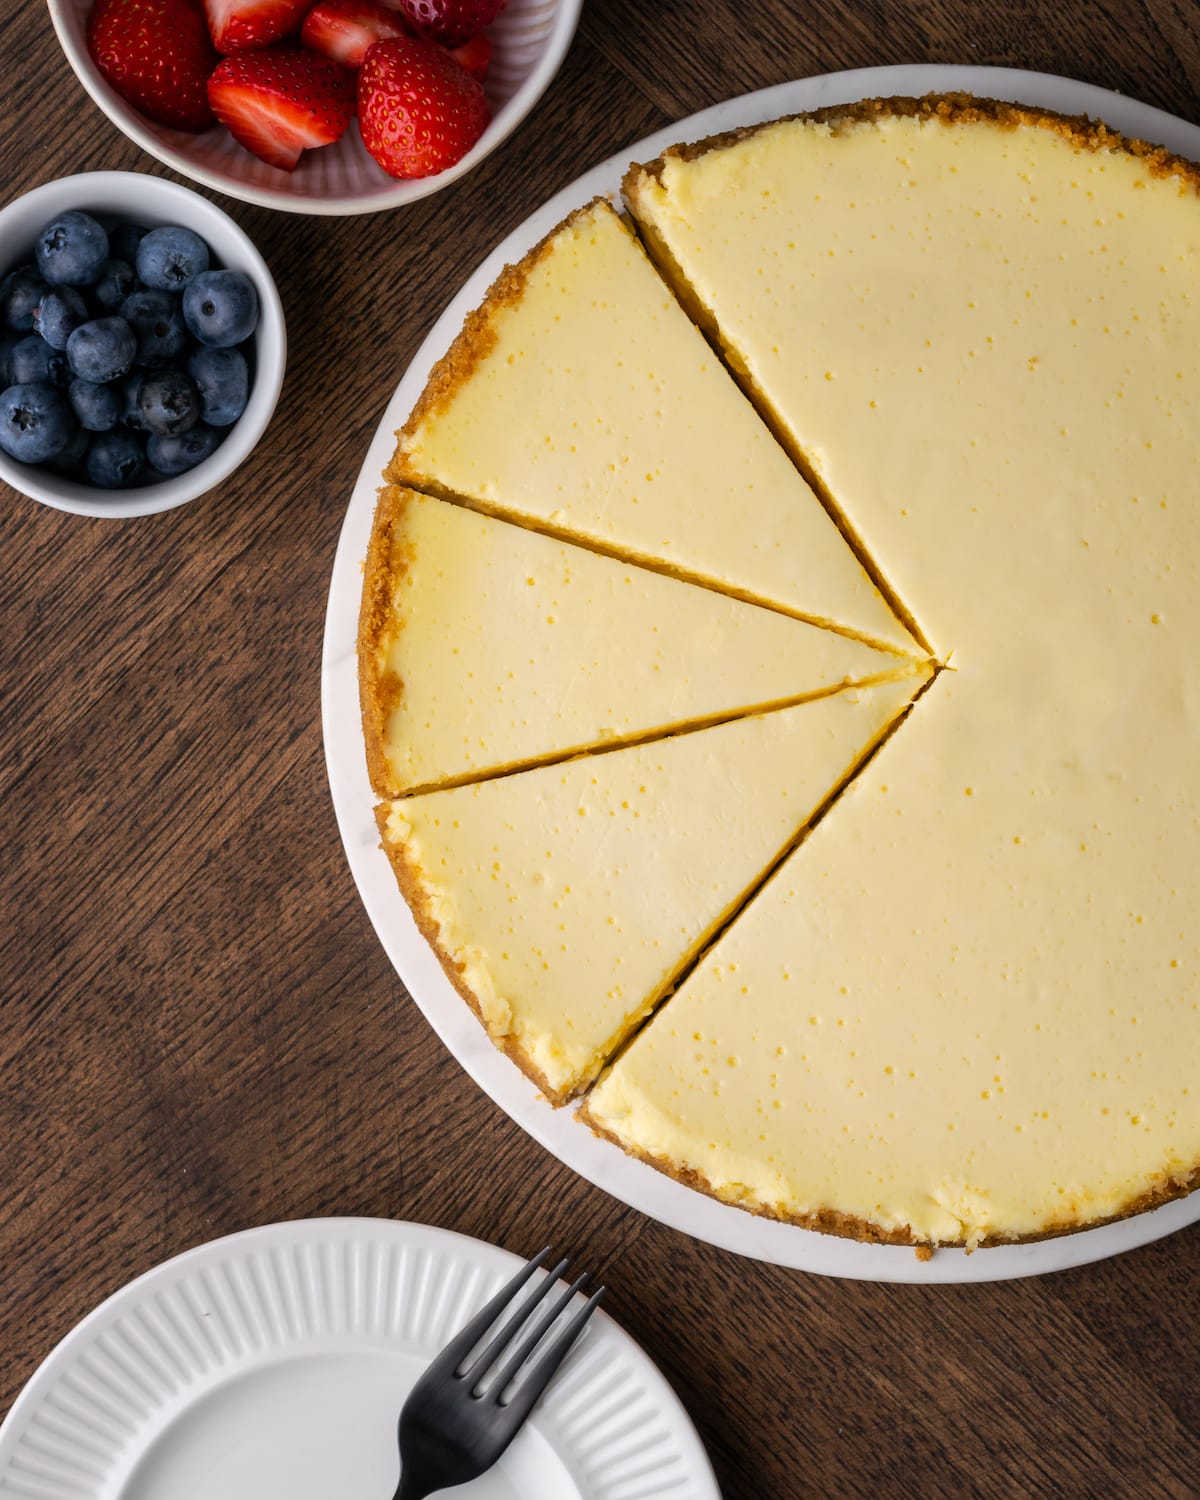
(199, 1031)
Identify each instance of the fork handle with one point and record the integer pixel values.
(411, 1488)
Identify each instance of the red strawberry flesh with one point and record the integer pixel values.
(237, 24)
(346, 29)
(157, 55)
(280, 102)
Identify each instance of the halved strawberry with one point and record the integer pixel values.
(474, 55)
(281, 101)
(344, 29)
(419, 111)
(157, 55)
(235, 24)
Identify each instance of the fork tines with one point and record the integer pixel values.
(456, 1421)
(458, 1360)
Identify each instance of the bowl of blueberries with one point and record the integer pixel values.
(142, 344)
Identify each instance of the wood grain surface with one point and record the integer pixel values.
(199, 1031)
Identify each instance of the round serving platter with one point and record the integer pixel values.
(600, 1161)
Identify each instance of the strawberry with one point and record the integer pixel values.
(235, 24)
(344, 29)
(451, 22)
(157, 55)
(474, 55)
(419, 111)
(278, 102)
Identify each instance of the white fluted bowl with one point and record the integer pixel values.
(151, 201)
(529, 41)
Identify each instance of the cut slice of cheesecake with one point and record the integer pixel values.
(581, 399)
(484, 646)
(564, 902)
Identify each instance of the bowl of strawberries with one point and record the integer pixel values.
(317, 106)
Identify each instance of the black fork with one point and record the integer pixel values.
(453, 1427)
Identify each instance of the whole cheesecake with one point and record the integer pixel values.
(959, 1002)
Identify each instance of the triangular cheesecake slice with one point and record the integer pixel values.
(565, 901)
(484, 646)
(581, 399)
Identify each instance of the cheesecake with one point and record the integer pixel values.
(565, 901)
(484, 646)
(582, 400)
(935, 979)
(978, 326)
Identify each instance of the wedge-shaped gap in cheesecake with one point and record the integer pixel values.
(641, 185)
(564, 902)
(581, 400)
(896, 707)
(485, 647)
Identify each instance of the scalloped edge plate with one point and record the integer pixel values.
(601, 1162)
(275, 1362)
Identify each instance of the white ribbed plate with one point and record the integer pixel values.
(529, 41)
(274, 1363)
(599, 1160)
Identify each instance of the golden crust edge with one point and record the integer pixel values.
(950, 109)
(379, 692)
(414, 890)
(865, 1231)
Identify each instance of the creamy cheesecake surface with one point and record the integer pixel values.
(582, 398)
(982, 336)
(1010, 1049)
(564, 901)
(965, 1007)
(485, 646)
(986, 339)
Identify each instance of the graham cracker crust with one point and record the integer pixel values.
(948, 109)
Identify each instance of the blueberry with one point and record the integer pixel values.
(59, 314)
(35, 422)
(131, 411)
(176, 455)
(33, 361)
(157, 322)
(98, 407)
(221, 308)
(72, 250)
(114, 286)
(6, 351)
(123, 241)
(170, 257)
(102, 349)
(223, 380)
(20, 292)
(115, 459)
(169, 403)
(68, 460)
